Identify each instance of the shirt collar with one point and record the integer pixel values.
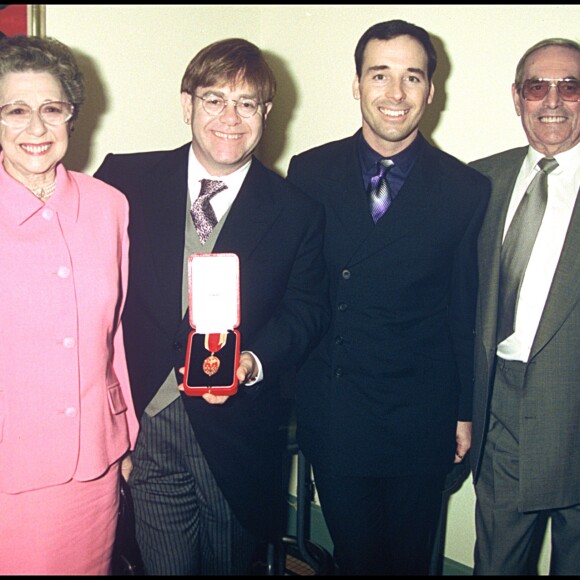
(403, 161)
(568, 161)
(196, 172)
(20, 204)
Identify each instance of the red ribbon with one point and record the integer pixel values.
(214, 342)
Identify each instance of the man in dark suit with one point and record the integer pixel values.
(526, 417)
(207, 479)
(384, 402)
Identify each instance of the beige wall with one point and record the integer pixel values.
(134, 56)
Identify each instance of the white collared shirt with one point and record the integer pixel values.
(563, 185)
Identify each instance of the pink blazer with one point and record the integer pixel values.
(66, 410)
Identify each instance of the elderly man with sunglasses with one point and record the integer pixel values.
(526, 417)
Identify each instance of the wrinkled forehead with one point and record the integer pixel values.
(553, 62)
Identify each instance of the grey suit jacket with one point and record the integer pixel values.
(550, 409)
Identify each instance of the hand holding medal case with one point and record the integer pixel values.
(213, 347)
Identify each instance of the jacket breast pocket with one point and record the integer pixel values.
(116, 400)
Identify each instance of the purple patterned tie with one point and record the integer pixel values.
(380, 195)
(201, 211)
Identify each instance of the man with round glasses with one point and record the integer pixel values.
(214, 105)
(526, 417)
(208, 478)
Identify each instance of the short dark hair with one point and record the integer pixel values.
(22, 53)
(565, 42)
(232, 60)
(392, 29)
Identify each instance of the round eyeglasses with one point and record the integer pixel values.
(18, 115)
(214, 105)
(537, 89)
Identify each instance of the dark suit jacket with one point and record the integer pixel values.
(550, 406)
(276, 231)
(382, 393)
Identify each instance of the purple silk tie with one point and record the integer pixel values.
(380, 194)
(201, 211)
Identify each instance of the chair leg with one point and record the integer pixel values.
(305, 496)
(275, 558)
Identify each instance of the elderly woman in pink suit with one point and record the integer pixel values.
(66, 413)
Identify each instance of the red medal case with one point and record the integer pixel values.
(213, 347)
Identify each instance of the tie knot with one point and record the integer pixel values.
(209, 187)
(547, 165)
(383, 166)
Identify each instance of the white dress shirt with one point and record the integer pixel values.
(563, 185)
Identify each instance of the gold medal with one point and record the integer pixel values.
(211, 365)
(214, 343)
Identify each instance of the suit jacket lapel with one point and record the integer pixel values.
(564, 293)
(164, 202)
(347, 196)
(490, 240)
(251, 215)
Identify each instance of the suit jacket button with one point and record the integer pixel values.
(338, 373)
(342, 307)
(346, 274)
(177, 346)
(339, 340)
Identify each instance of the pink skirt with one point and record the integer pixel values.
(67, 529)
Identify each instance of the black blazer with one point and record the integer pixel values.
(276, 231)
(382, 393)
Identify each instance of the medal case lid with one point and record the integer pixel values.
(214, 292)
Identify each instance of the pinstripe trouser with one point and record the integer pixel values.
(184, 525)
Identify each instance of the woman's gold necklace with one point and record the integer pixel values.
(43, 193)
